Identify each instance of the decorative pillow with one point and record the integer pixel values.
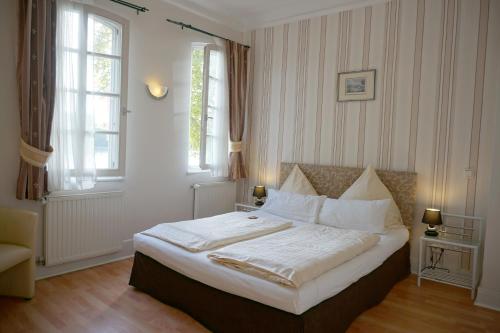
(364, 215)
(297, 182)
(369, 187)
(294, 206)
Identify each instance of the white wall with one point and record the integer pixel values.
(433, 113)
(489, 290)
(156, 184)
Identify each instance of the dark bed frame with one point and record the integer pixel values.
(220, 311)
(223, 312)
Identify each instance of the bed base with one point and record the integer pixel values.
(220, 311)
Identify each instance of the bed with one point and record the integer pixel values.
(227, 300)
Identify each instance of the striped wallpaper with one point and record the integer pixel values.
(434, 102)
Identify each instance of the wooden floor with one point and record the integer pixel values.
(100, 300)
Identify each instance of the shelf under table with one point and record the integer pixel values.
(463, 280)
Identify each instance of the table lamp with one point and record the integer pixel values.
(432, 217)
(259, 192)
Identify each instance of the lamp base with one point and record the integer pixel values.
(259, 202)
(431, 231)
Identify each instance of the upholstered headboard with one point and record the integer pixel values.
(333, 181)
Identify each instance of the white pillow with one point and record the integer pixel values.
(294, 206)
(364, 215)
(297, 182)
(369, 187)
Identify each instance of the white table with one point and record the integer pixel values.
(468, 280)
(245, 207)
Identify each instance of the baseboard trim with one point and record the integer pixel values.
(126, 252)
(488, 298)
(79, 268)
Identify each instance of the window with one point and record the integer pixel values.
(90, 114)
(208, 115)
(103, 96)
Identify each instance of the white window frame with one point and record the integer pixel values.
(204, 108)
(122, 129)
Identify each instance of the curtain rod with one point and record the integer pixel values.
(189, 26)
(131, 5)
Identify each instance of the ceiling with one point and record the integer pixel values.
(244, 15)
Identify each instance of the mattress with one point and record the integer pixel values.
(294, 300)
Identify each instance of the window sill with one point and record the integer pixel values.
(197, 171)
(110, 179)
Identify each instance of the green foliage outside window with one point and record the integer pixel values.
(102, 41)
(196, 99)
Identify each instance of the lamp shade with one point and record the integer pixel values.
(259, 191)
(432, 216)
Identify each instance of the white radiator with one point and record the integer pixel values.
(213, 198)
(82, 226)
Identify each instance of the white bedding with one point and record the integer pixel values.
(294, 300)
(216, 231)
(295, 256)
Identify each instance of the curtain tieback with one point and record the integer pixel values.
(234, 146)
(33, 155)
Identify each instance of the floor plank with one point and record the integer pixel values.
(99, 299)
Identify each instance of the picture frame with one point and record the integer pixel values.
(356, 86)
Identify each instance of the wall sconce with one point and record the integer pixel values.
(157, 91)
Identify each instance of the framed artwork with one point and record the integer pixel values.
(356, 86)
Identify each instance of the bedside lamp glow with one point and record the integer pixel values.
(432, 217)
(157, 91)
(259, 192)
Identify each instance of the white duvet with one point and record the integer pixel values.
(297, 255)
(211, 232)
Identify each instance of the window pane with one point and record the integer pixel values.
(106, 151)
(196, 105)
(214, 70)
(194, 159)
(210, 112)
(103, 74)
(71, 69)
(210, 126)
(209, 155)
(106, 111)
(103, 36)
(69, 107)
(212, 92)
(71, 34)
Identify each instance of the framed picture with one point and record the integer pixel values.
(356, 86)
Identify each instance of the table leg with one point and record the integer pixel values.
(420, 261)
(474, 274)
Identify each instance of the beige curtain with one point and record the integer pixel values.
(36, 84)
(237, 61)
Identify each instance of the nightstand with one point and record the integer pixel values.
(245, 207)
(466, 239)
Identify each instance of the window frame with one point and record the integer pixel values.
(204, 105)
(122, 110)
